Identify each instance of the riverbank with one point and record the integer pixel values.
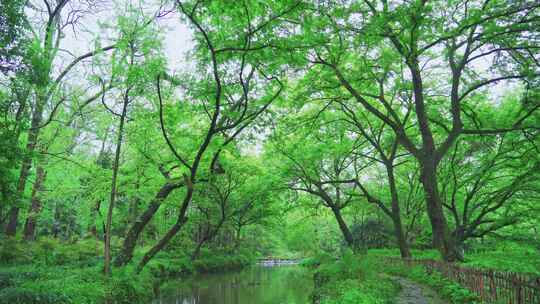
(48, 271)
(352, 279)
(369, 279)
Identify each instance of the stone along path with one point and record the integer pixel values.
(414, 293)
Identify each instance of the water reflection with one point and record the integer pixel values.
(258, 284)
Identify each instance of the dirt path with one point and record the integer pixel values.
(414, 293)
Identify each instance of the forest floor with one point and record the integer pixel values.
(414, 293)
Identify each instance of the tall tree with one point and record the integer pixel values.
(486, 182)
(323, 167)
(233, 89)
(406, 37)
(45, 83)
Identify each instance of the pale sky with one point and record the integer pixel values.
(176, 43)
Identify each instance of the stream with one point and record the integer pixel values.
(261, 284)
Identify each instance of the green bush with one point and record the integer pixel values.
(168, 266)
(68, 284)
(126, 287)
(49, 251)
(506, 256)
(18, 295)
(14, 252)
(351, 292)
(10, 276)
(352, 279)
(221, 261)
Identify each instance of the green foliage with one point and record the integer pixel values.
(170, 264)
(73, 285)
(372, 234)
(208, 261)
(216, 262)
(13, 31)
(284, 119)
(125, 287)
(416, 253)
(352, 279)
(49, 251)
(12, 252)
(446, 288)
(351, 292)
(506, 256)
(16, 295)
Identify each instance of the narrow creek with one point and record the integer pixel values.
(261, 284)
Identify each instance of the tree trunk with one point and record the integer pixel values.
(237, 237)
(197, 250)
(441, 236)
(108, 225)
(33, 133)
(396, 214)
(181, 219)
(133, 209)
(347, 235)
(162, 242)
(35, 209)
(95, 212)
(134, 232)
(459, 236)
(209, 235)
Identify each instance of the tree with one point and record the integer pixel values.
(406, 38)
(233, 90)
(43, 51)
(323, 167)
(13, 36)
(485, 184)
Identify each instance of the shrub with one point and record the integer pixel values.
(13, 252)
(126, 287)
(352, 279)
(18, 295)
(221, 261)
(10, 277)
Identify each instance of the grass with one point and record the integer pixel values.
(507, 256)
(352, 279)
(67, 284)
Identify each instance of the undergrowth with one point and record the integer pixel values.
(444, 287)
(352, 279)
(48, 271)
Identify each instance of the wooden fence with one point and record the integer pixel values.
(490, 286)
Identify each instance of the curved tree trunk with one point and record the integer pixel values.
(181, 219)
(197, 250)
(162, 242)
(347, 235)
(134, 232)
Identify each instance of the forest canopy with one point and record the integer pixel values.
(289, 127)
